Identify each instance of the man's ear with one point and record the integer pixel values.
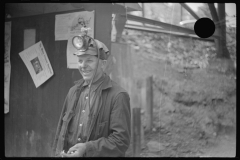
(104, 63)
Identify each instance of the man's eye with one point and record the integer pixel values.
(80, 61)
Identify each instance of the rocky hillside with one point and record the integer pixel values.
(194, 93)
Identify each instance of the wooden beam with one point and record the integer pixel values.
(149, 102)
(221, 11)
(159, 23)
(215, 18)
(166, 26)
(159, 30)
(190, 10)
(213, 12)
(136, 132)
(222, 17)
(120, 22)
(103, 17)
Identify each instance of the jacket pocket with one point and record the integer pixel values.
(66, 118)
(103, 129)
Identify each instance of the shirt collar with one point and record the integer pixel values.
(104, 78)
(95, 84)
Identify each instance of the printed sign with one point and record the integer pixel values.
(70, 24)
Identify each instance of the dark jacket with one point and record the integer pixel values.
(110, 131)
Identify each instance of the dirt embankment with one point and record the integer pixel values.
(193, 110)
(194, 94)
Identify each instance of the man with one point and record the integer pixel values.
(103, 129)
(37, 66)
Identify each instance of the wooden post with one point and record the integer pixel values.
(222, 18)
(136, 132)
(142, 137)
(215, 17)
(149, 104)
(120, 22)
(143, 107)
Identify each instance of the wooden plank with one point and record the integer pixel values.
(42, 15)
(136, 131)
(50, 87)
(21, 91)
(222, 18)
(29, 24)
(27, 129)
(10, 121)
(142, 137)
(143, 104)
(149, 101)
(189, 10)
(103, 18)
(213, 12)
(34, 130)
(166, 26)
(159, 30)
(24, 79)
(22, 106)
(120, 22)
(159, 23)
(28, 117)
(56, 107)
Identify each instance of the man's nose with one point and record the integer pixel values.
(83, 65)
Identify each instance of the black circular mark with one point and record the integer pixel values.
(204, 27)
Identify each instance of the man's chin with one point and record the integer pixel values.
(87, 78)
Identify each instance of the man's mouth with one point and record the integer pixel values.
(86, 72)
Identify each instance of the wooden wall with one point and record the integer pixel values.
(123, 73)
(30, 125)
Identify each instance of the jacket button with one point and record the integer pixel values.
(79, 139)
(86, 97)
(80, 125)
(83, 111)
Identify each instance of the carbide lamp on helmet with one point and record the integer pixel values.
(81, 41)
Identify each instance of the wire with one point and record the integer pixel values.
(90, 84)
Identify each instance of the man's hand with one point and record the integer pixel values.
(76, 151)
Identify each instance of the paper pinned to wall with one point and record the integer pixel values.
(7, 65)
(71, 24)
(37, 63)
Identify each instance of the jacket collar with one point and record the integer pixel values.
(107, 82)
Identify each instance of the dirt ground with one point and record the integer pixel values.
(194, 109)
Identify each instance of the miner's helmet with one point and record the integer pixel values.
(84, 44)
